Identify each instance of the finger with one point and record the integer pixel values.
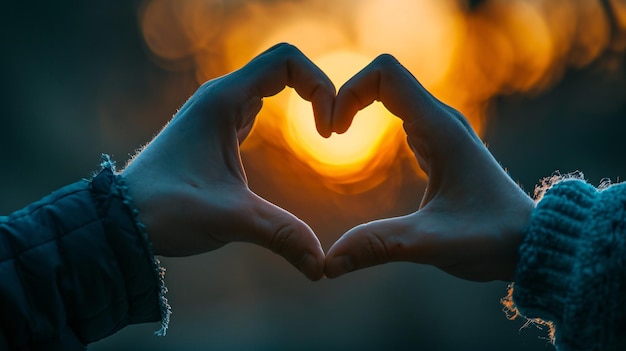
(434, 130)
(375, 243)
(246, 127)
(385, 80)
(285, 65)
(287, 236)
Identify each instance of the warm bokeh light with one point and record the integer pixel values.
(422, 34)
(177, 29)
(344, 157)
(465, 53)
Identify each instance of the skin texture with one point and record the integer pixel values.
(192, 194)
(471, 217)
(189, 184)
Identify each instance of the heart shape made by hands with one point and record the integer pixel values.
(192, 193)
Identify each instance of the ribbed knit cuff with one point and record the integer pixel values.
(572, 261)
(549, 250)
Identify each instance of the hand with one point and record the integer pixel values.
(471, 218)
(189, 184)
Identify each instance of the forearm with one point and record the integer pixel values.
(75, 267)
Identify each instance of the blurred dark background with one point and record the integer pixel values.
(77, 81)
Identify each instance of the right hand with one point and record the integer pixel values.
(189, 183)
(471, 217)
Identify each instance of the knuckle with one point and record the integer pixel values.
(325, 89)
(376, 247)
(385, 60)
(351, 92)
(456, 114)
(288, 50)
(283, 238)
(216, 91)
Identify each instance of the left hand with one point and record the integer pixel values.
(471, 218)
(189, 184)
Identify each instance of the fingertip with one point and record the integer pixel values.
(344, 110)
(341, 129)
(340, 126)
(337, 260)
(363, 246)
(341, 120)
(325, 133)
(312, 266)
(288, 236)
(338, 266)
(312, 260)
(323, 104)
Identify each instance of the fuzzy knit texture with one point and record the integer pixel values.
(572, 267)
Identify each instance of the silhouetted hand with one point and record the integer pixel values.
(471, 217)
(189, 184)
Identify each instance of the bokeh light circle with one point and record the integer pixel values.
(349, 157)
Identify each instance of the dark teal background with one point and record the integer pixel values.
(76, 81)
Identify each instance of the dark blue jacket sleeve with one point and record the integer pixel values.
(74, 268)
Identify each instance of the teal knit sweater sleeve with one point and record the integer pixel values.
(572, 268)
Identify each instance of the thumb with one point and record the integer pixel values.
(287, 236)
(374, 243)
